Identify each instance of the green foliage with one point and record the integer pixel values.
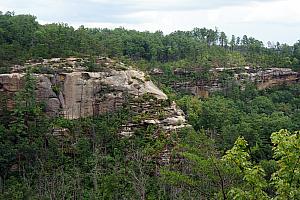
(253, 117)
(286, 152)
(197, 173)
(56, 89)
(253, 175)
(285, 177)
(22, 38)
(21, 142)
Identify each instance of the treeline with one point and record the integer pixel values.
(22, 37)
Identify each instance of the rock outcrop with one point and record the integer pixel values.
(69, 90)
(191, 80)
(76, 88)
(165, 117)
(73, 92)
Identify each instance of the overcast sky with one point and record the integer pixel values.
(266, 20)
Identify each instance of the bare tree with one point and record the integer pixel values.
(138, 172)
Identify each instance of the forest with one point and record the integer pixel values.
(242, 144)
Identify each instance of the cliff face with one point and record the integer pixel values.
(190, 79)
(72, 92)
(76, 94)
(67, 89)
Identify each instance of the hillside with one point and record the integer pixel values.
(119, 114)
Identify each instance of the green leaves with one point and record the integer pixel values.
(21, 38)
(253, 175)
(287, 153)
(238, 155)
(286, 180)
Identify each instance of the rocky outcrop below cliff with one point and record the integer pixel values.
(166, 117)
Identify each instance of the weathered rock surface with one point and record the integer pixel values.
(72, 93)
(192, 82)
(78, 94)
(167, 118)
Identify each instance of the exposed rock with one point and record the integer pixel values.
(175, 120)
(73, 93)
(262, 77)
(44, 88)
(181, 71)
(152, 121)
(156, 71)
(61, 99)
(129, 80)
(177, 127)
(126, 133)
(11, 82)
(53, 106)
(69, 90)
(61, 132)
(172, 119)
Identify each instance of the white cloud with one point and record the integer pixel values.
(279, 20)
(264, 19)
(285, 11)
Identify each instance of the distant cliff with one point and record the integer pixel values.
(191, 79)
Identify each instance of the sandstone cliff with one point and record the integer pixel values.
(78, 93)
(74, 88)
(191, 79)
(69, 90)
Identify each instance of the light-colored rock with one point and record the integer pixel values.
(75, 93)
(156, 71)
(129, 80)
(152, 121)
(178, 127)
(78, 94)
(152, 89)
(175, 120)
(11, 82)
(126, 133)
(263, 78)
(54, 59)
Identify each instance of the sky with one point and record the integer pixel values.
(266, 20)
